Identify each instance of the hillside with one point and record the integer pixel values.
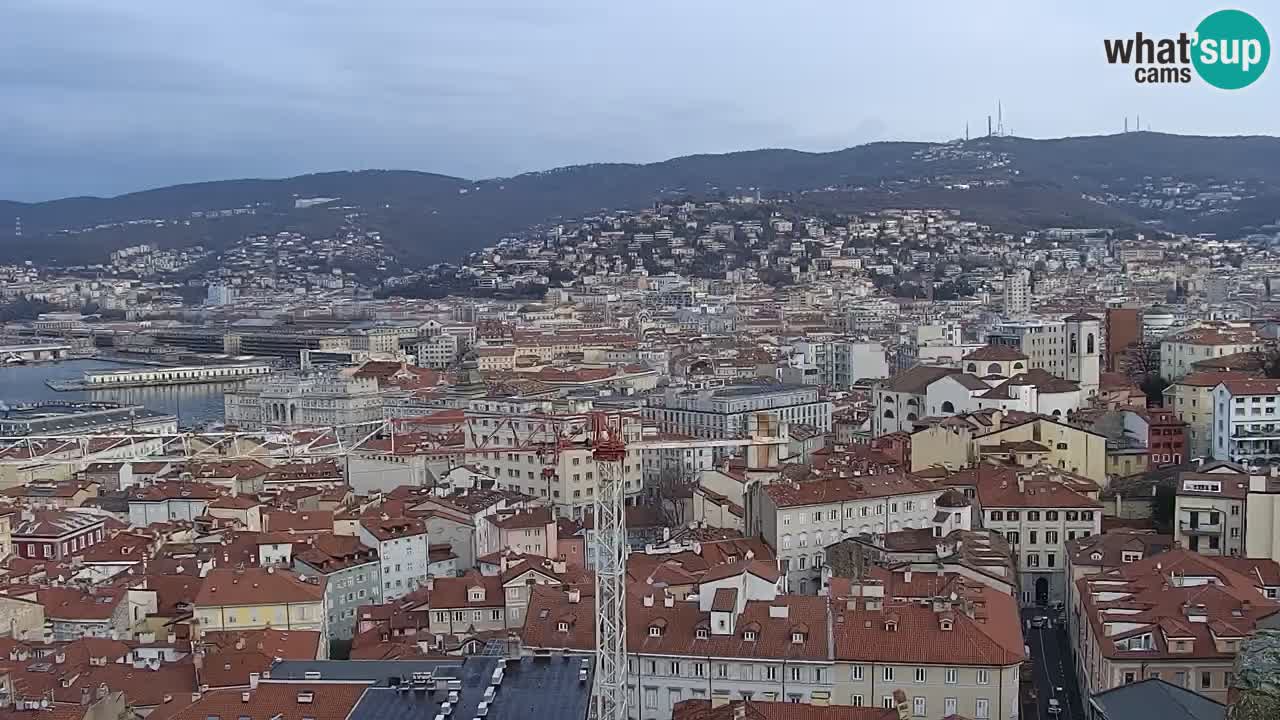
(427, 217)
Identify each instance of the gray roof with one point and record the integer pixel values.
(1155, 699)
(531, 688)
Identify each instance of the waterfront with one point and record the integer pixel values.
(193, 404)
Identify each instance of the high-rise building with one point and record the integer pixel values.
(1017, 293)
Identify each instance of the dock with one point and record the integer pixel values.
(18, 354)
(162, 377)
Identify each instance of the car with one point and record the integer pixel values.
(1054, 707)
(1057, 606)
(1039, 621)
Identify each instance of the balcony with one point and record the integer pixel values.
(1202, 528)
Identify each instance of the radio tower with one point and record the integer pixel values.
(609, 452)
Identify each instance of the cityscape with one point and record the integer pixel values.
(983, 427)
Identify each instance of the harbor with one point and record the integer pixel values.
(23, 354)
(193, 405)
(149, 377)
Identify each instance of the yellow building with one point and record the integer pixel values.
(1011, 437)
(259, 599)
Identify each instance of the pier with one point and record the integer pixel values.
(162, 376)
(33, 353)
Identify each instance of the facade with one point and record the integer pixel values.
(439, 352)
(727, 412)
(799, 519)
(840, 362)
(1039, 512)
(1070, 348)
(1262, 521)
(903, 399)
(1246, 421)
(73, 614)
(1191, 397)
(260, 598)
(1209, 340)
(305, 399)
(351, 575)
(1209, 510)
(166, 502)
(403, 549)
(56, 534)
(1017, 293)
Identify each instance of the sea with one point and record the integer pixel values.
(194, 405)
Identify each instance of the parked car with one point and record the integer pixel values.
(1039, 621)
(1054, 707)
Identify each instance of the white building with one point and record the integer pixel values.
(726, 412)
(1246, 421)
(305, 399)
(403, 550)
(439, 352)
(1203, 342)
(1017, 293)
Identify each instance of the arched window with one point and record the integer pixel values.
(993, 369)
(1017, 366)
(1075, 344)
(911, 416)
(1088, 343)
(1057, 413)
(948, 407)
(973, 368)
(888, 414)
(911, 402)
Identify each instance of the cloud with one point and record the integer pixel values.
(110, 97)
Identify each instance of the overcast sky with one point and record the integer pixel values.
(107, 97)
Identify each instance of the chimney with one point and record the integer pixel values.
(84, 696)
(906, 577)
(575, 595)
(253, 680)
(668, 601)
(648, 600)
(240, 643)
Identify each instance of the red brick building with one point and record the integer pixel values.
(1166, 438)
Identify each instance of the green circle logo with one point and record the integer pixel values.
(1232, 49)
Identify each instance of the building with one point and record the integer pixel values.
(72, 613)
(774, 710)
(727, 412)
(1209, 509)
(1178, 616)
(306, 399)
(351, 575)
(903, 399)
(1154, 699)
(83, 418)
(1262, 519)
(1123, 332)
(1104, 552)
(220, 294)
(439, 352)
(165, 502)
(402, 547)
(1166, 437)
(258, 598)
(840, 362)
(799, 519)
(1039, 511)
(56, 534)
(1208, 340)
(1013, 438)
(1246, 421)
(1191, 397)
(1017, 293)
(1070, 348)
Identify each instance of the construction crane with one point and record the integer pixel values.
(604, 432)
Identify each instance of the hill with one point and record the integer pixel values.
(427, 217)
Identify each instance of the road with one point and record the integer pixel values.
(1051, 656)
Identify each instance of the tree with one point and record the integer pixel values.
(1162, 510)
(671, 491)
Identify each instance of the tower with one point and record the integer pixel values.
(1084, 351)
(1017, 293)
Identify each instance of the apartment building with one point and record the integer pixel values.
(727, 412)
(565, 478)
(1039, 511)
(351, 578)
(1178, 616)
(402, 546)
(1209, 509)
(799, 519)
(1246, 420)
(260, 598)
(1191, 397)
(841, 361)
(1262, 519)
(1208, 340)
(1104, 552)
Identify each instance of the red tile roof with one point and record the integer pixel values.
(272, 699)
(256, 586)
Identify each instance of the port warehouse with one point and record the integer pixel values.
(192, 373)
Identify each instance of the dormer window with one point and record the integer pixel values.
(891, 625)
(749, 636)
(797, 638)
(477, 594)
(562, 627)
(945, 624)
(701, 633)
(655, 631)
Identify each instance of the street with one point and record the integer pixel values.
(1051, 658)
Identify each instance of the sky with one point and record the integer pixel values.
(110, 97)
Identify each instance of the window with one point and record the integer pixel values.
(917, 707)
(1051, 515)
(1012, 514)
(770, 672)
(1033, 516)
(949, 706)
(888, 674)
(1206, 680)
(795, 673)
(997, 515)
(950, 676)
(1033, 560)
(920, 675)
(1032, 535)
(1129, 677)
(984, 677)
(651, 698)
(982, 709)
(855, 700)
(855, 673)
(886, 702)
